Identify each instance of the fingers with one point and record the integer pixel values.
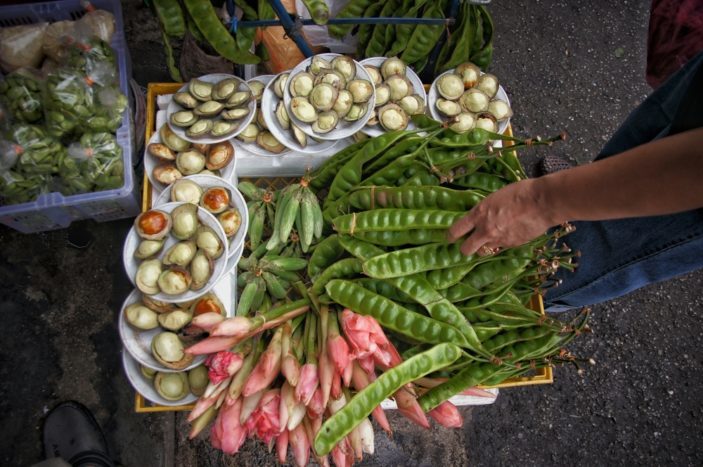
(475, 241)
(461, 227)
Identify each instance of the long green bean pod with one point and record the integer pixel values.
(364, 402)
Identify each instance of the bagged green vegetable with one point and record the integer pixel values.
(20, 188)
(93, 164)
(69, 102)
(20, 92)
(38, 152)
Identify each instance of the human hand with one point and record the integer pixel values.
(510, 217)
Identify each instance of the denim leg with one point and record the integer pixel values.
(620, 256)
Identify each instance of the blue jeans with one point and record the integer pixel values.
(620, 256)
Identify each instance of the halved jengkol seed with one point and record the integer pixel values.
(222, 128)
(301, 84)
(190, 162)
(280, 85)
(249, 134)
(215, 199)
(201, 90)
(219, 155)
(185, 190)
(303, 110)
(282, 115)
(361, 90)
(238, 99)
(257, 88)
(230, 220)
(299, 135)
(172, 140)
(269, 142)
(201, 269)
(208, 241)
(148, 248)
(224, 89)
(184, 99)
(161, 151)
(180, 254)
(325, 122)
(200, 128)
(392, 117)
(236, 113)
(323, 97)
(147, 276)
(153, 224)
(209, 109)
(174, 281)
(185, 221)
(183, 118)
(166, 173)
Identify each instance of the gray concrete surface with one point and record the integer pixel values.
(574, 66)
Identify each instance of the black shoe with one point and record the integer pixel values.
(72, 433)
(550, 164)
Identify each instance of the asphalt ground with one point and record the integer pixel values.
(567, 66)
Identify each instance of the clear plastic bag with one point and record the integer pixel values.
(94, 163)
(20, 92)
(69, 101)
(37, 152)
(21, 46)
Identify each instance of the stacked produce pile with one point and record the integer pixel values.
(59, 130)
(382, 307)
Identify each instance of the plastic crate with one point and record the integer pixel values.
(53, 211)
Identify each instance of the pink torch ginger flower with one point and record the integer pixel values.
(212, 345)
(264, 421)
(282, 447)
(268, 367)
(316, 407)
(307, 383)
(343, 454)
(366, 338)
(237, 326)
(409, 407)
(447, 415)
(207, 321)
(222, 365)
(300, 444)
(326, 373)
(227, 433)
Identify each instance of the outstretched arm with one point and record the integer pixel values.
(661, 177)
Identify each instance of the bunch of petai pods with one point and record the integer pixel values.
(383, 306)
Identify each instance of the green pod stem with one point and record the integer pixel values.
(470, 376)
(408, 145)
(346, 268)
(418, 259)
(350, 174)
(447, 277)
(422, 177)
(393, 316)
(408, 237)
(513, 336)
(457, 43)
(217, 35)
(378, 220)
(486, 330)
(385, 289)
(404, 31)
(170, 60)
(353, 9)
(451, 139)
(246, 299)
(359, 248)
(274, 286)
(481, 181)
(327, 252)
(424, 36)
(380, 39)
(365, 401)
(319, 11)
(503, 270)
(171, 16)
(423, 197)
(484, 53)
(322, 177)
(365, 30)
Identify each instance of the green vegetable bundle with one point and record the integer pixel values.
(93, 164)
(469, 38)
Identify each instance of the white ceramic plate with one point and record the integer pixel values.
(433, 95)
(269, 102)
(131, 263)
(150, 163)
(419, 89)
(145, 386)
(236, 200)
(344, 129)
(253, 148)
(213, 78)
(138, 343)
